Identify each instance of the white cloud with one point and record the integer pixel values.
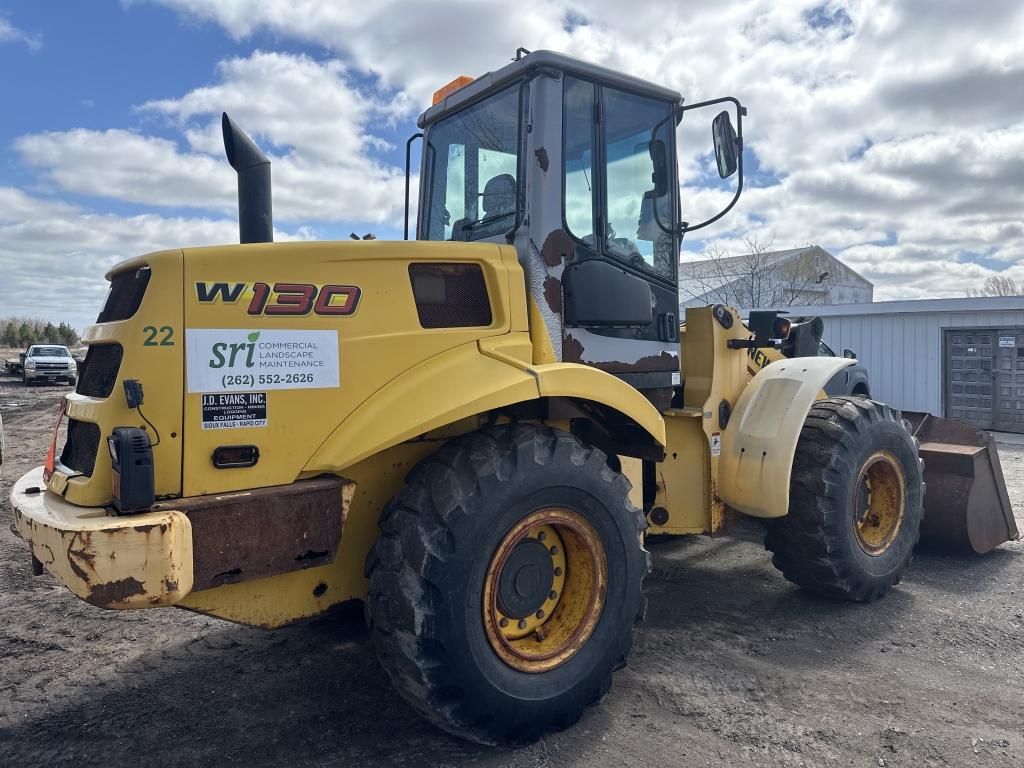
(11, 34)
(888, 131)
(62, 252)
(318, 127)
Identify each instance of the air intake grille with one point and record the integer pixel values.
(79, 452)
(450, 295)
(98, 373)
(126, 291)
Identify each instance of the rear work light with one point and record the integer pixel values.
(131, 458)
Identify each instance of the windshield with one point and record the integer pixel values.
(48, 352)
(472, 166)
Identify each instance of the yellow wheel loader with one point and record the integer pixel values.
(471, 431)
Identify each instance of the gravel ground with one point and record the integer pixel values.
(733, 666)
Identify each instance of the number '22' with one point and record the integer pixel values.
(152, 332)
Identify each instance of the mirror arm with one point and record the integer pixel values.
(408, 153)
(684, 227)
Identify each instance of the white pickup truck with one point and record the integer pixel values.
(48, 363)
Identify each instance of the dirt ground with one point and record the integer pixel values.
(734, 666)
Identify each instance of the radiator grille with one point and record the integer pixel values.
(126, 291)
(450, 295)
(83, 442)
(98, 374)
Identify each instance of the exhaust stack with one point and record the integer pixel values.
(255, 216)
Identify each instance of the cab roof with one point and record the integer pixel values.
(528, 66)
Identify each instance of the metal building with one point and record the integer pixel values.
(958, 358)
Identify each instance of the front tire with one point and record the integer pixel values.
(855, 500)
(506, 581)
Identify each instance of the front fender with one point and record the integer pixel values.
(465, 381)
(759, 443)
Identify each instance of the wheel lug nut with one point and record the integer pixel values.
(503, 623)
(522, 623)
(558, 571)
(541, 536)
(553, 550)
(540, 614)
(552, 595)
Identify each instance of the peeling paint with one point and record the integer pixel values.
(542, 158)
(553, 293)
(558, 248)
(650, 364)
(83, 553)
(572, 350)
(113, 592)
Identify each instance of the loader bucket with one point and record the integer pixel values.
(966, 506)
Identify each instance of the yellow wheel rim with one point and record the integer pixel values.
(880, 502)
(544, 590)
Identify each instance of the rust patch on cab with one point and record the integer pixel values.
(572, 350)
(558, 247)
(553, 293)
(542, 158)
(649, 364)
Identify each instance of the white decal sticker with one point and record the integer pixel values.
(716, 443)
(235, 410)
(237, 360)
(1007, 341)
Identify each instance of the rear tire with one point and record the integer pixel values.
(855, 509)
(433, 570)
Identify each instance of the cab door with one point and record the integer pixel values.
(611, 262)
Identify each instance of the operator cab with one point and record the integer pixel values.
(575, 165)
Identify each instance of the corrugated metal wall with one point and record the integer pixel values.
(903, 352)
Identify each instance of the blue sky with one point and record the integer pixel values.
(889, 132)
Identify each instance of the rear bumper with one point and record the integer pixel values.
(137, 561)
(182, 545)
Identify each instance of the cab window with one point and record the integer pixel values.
(634, 166)
(638, 181)
(578, 162)
(472, 160)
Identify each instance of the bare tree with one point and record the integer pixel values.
(997, 285)
(758, 278)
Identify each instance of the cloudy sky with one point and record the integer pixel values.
(890, 133)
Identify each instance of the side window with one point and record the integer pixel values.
(638, 180)
(455, 196)
(471, 163)
(824, 350)
(578, 159)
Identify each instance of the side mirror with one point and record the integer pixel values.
(724, 136)
(849, 353)
(659, 160)
(22, 355)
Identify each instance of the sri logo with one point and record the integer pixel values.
(231, 351)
